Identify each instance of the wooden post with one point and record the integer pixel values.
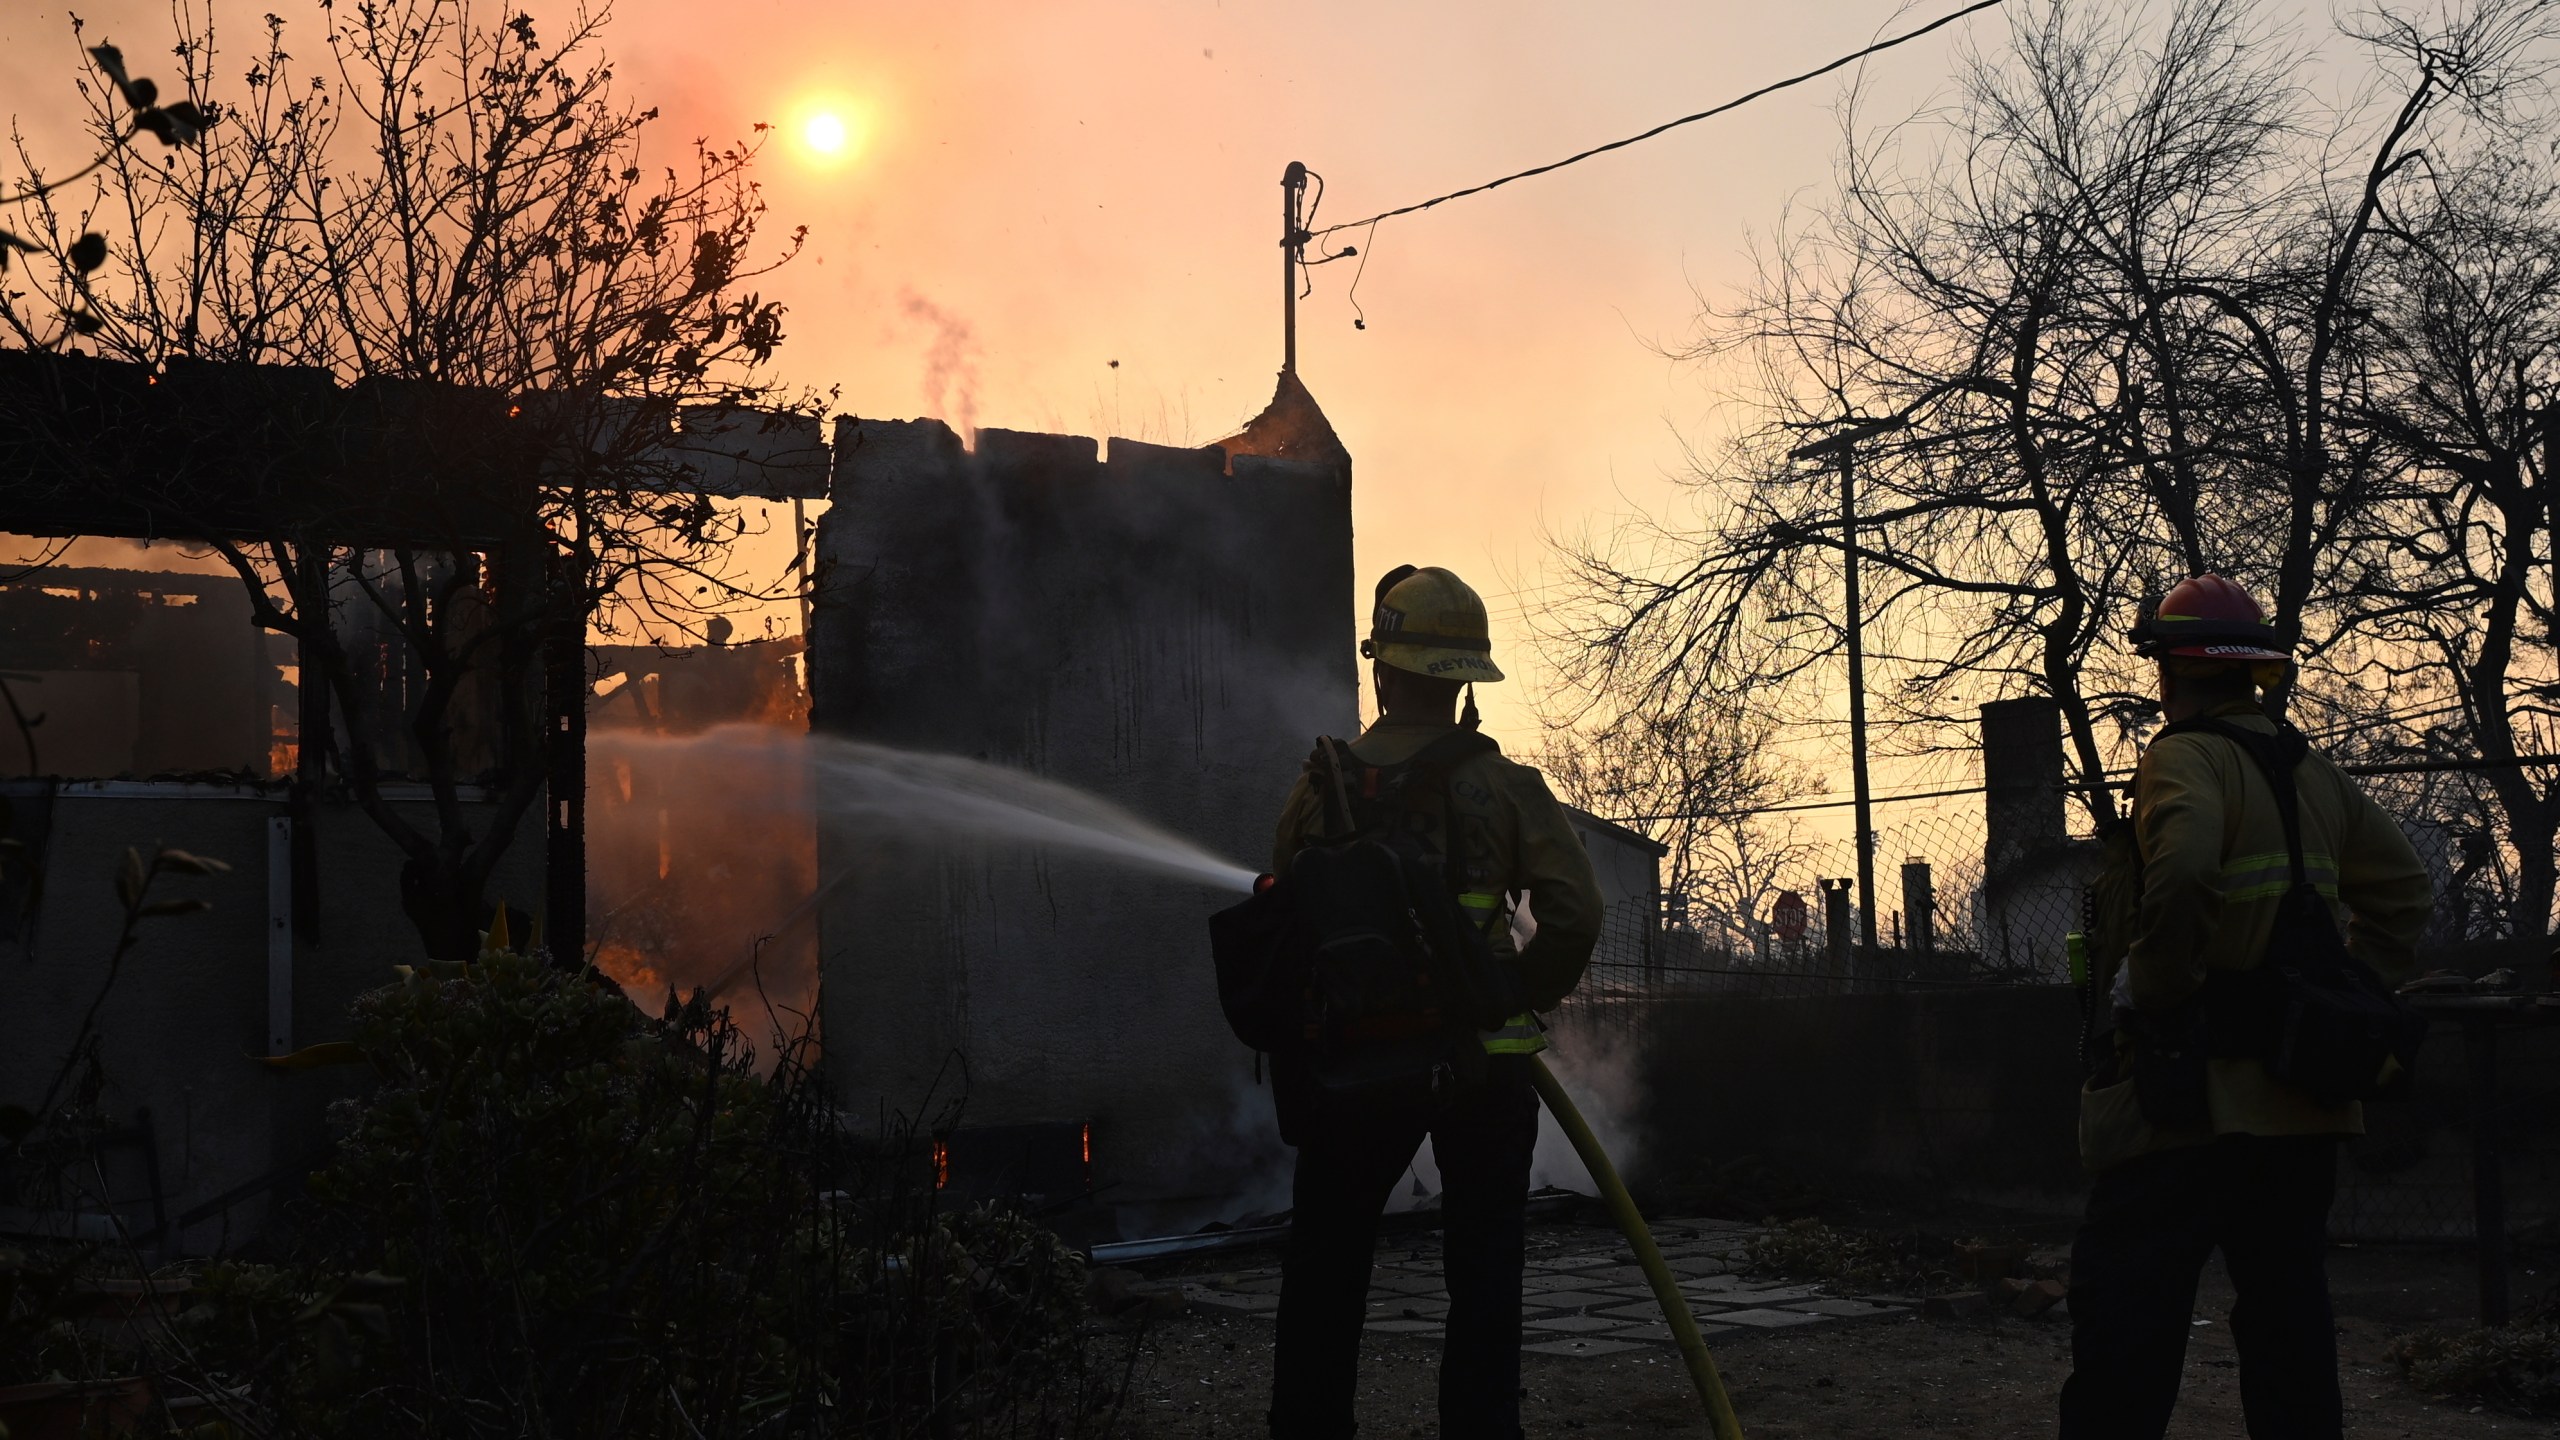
(564, 743)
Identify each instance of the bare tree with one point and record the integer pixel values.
(2450, 608)
(2123, 292)
(180, 123)
(465, 203)
(1691, 780)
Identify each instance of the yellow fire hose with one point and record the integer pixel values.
(1666, 1288)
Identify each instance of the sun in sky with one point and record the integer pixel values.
(828, 134)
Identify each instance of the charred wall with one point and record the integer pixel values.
(189, 1010)
(134, 672)
(1165, 628)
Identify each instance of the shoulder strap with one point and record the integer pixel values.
(1325, 766)
(2276, 756)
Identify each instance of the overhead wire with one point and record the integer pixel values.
(1575, 159)
(2403, 767)
(1351, 297)
(1315, 203)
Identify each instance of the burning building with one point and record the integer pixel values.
(1168, 629)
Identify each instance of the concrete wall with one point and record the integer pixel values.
(190, 1006)
(1972, 1095)
(1154, 629)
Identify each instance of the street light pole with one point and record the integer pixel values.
(1844, 443)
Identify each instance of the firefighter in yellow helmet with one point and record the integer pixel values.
(2202, 1123)
(1505, 841)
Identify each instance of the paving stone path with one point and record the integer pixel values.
(1578, 1297)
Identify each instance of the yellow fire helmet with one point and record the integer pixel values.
(1429, 622)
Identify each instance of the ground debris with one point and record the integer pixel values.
(1912, 1263)
(1125, 1294)
(2517, 1366)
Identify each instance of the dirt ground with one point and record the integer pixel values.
(1208, 1375)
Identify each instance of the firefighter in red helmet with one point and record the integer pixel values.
(2201, 1135)
(2208, 618)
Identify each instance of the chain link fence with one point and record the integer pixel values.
(1962, 909)
(1941, 921)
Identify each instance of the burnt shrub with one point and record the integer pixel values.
(2516, 1367)
(556, 1216)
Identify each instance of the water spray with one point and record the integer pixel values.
(950, 798)
(927, 800)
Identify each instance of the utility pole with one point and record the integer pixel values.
(1293, 241)
(1844, 443)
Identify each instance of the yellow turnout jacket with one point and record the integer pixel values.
(2213, 866)
(1512, 837)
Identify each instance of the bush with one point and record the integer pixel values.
(555, 1217)
(2517, 1366)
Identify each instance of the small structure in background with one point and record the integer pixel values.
(1839, 925)
(1630, 964)
(1918, 923)
(2033, 869)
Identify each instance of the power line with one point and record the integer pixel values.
(1786, 809)
(2405, 767)
(1736, 103)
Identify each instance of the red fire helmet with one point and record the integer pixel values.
(2208, 618)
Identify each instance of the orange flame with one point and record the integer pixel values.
(627, 967)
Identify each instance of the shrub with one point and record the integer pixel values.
(556, 1217)
(2516, 1366)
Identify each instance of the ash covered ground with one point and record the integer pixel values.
(1206, 1371)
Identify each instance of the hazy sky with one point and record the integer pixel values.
(1038, 189)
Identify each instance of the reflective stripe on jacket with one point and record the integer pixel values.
(2212, 868)
(1521, 1034)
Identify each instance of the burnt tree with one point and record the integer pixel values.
(446, 215)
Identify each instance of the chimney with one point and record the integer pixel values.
(2022, 774)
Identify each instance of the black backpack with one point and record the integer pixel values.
(2318, 1017)
(1358, 971)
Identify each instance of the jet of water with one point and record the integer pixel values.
(958, 799)
(740, 779)
(929, 798)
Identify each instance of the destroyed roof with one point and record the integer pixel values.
(105, 447)
(1291, 427)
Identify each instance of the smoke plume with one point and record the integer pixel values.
(950, 363)
(1599, 1070)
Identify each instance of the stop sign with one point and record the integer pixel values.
(1787, 915)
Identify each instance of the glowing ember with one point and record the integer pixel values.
(630, 969)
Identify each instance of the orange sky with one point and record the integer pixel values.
(1041, 187)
